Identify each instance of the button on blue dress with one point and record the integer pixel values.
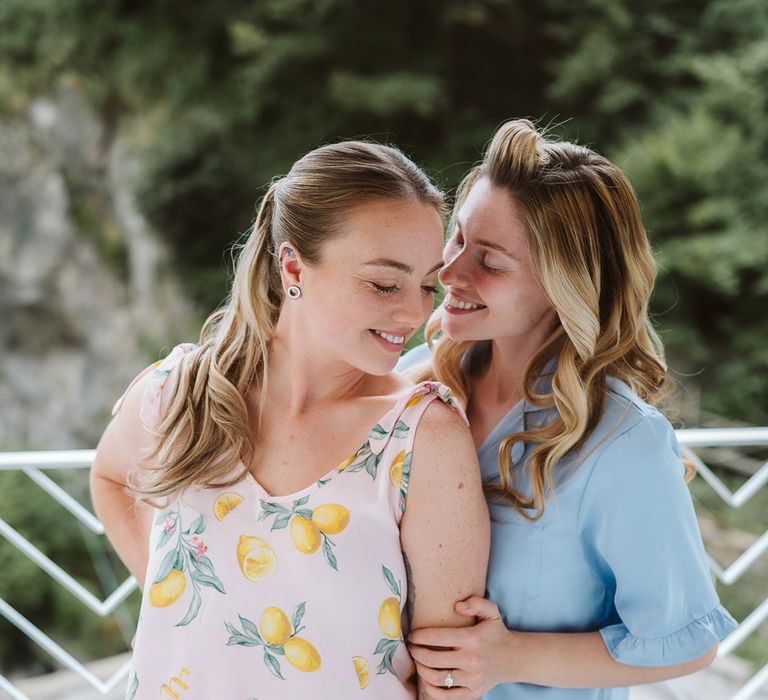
(618, 549)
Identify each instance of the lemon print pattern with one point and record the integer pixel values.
(184, 564)
(399, 473)
(360, 664)
(365, 459)
(309, 529)
(389, 624)
(256, 559)
(225, 504)
(263, 557)
(278, 637)
(168, 590)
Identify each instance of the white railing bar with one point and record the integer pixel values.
(753, 684)
(692, 437)
(11, 689)
(59, 494)
(62, 656)
(734, 572)
(720, 437)
(748, 625)
(49, 459)
(56, 572)
(748, 489)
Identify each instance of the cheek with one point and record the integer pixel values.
(520, 297)
(346, 308)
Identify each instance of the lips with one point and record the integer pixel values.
(454, 302)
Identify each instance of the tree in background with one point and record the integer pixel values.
(229, 94)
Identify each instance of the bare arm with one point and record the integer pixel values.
(445, 531)
(581, 660)
(126, 522)
(489, 654)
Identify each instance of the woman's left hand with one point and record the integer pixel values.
(476, 656)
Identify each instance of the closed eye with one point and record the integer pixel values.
(385, 290)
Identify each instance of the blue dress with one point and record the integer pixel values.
(618, 549)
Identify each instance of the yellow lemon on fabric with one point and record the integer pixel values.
(169, 590)
(225, 504)
(346, 463)
(361, 669)
(301, 654)
(414, 400)
(330, 518)
(396, 470)
(389, 618)
(257, 560)
(274, 626)
(305, 535)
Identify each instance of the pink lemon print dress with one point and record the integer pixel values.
(256, 597)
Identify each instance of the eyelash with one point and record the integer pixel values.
(488, 269)
(393, 290)
(481, 263)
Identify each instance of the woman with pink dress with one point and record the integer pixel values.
(290, 504)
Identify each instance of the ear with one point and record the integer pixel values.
(291, 265)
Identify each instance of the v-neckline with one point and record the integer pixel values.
(325, 478)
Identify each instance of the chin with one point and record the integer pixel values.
(378, 369)
(459, 331)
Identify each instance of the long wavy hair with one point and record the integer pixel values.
(204, 437)
(590, 252)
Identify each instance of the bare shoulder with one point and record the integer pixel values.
(440, 422)
(443, 440)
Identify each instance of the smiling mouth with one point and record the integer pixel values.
(451, 302)
(395, 340)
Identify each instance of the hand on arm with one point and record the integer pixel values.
(636, 519)
(445, 531)
(489, 654)
(127, 523)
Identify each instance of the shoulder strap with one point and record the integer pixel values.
(392, 439)
(156, 392)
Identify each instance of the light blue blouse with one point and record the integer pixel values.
(617, 550)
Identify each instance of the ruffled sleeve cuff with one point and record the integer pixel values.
(686, 644)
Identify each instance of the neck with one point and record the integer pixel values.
(502, 380)
(303, 375)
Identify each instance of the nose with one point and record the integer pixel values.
(412, 309)
(454, 271)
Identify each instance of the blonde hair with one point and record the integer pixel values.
(204, 434)
(590, 252)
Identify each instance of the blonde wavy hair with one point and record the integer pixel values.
(204, 437)
(590, 252)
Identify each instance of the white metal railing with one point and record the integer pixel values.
(31, 463)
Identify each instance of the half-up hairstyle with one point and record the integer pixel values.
(590, 252)
(204, 437)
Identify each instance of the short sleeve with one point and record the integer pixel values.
(640, 536)
(413, 357)
(156, 393)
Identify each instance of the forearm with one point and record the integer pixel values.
(581, 660)
(126, 522)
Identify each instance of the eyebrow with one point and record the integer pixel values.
(488, 244)
(403, 267)
(494, 246)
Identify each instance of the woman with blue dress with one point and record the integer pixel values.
(597, 578)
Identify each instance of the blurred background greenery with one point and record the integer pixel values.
(231, 93)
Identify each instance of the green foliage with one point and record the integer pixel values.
(231, 93)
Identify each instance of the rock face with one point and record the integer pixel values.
(87, 297)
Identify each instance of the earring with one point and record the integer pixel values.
(294, 291)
